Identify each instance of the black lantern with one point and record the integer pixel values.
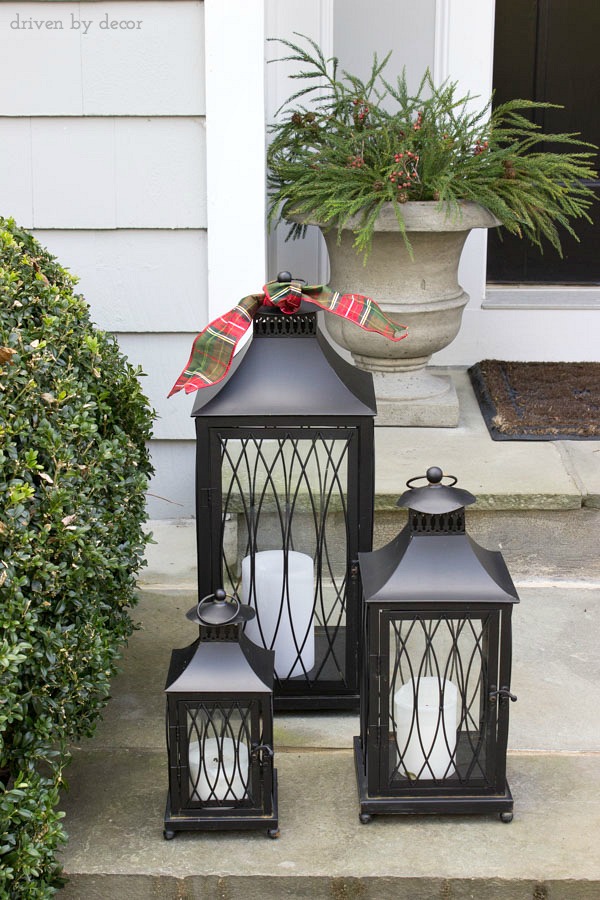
(220, 726)
(436, 665)
(285, 480)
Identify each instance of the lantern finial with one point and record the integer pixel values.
(434, 475)
(218, 609)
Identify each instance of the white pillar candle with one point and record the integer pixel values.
(290, 634)
(431, 729)
(217, 775)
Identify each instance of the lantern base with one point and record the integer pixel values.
(323, 688)
(467, 803)
(223, 820)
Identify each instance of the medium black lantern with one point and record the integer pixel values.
(436, 665)
(220, 726)
(284, 478)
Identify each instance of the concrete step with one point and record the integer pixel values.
(539, 545)
(118, 783)
(549, 851)
(539, 500)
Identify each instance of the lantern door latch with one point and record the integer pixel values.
(503, 693)
(263, 749)
(204, 496)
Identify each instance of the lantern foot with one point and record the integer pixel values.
(273, 833)
(168, 834)
(506, 817)
(365, 818)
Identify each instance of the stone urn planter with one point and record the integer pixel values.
(421, 292)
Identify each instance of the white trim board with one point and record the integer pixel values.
(235, 150)
(540, 297)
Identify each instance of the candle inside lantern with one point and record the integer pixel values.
(214, 775)
(426, 737)
(284, 608)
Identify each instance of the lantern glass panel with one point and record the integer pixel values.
(287, 516)
(438, 720)
(218, 742)
(218, 746)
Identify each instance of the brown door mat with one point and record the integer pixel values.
(537, 401)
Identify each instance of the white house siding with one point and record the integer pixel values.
(103, 157)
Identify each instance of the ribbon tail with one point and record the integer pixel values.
(214, 348)
(358, 309)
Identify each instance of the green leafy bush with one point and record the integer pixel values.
(73, 474)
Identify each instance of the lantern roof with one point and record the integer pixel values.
(435, 568)
(435, 498)
(289, 369)
(221, 667)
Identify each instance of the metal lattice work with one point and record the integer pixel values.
(219, 754)
(285, 545)
(438, 701)
(299, 325)
(445, 523)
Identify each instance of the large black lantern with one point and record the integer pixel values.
(220, 726)
(284, 479)
(436, 665)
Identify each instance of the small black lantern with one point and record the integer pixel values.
(436, 665)
(284, 500)
(220, 726)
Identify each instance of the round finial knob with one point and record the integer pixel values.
(220, 595)
(284, 277)
(434, 475)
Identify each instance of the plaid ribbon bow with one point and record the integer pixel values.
(213, 349)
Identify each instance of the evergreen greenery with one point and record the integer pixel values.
(73, 473)
(362, 144)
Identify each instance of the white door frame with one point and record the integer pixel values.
(464, 52)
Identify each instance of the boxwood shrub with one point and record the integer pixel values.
(74, 468)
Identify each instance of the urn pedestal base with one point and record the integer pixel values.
(416, 399)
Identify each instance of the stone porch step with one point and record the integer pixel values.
(118, 780)
(549, 851)
(540, 495)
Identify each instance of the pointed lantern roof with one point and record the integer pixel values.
(289, 369)
(435, 563)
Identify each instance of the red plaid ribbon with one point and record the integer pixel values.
(213, 349)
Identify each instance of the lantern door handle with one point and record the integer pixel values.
(264, 748)
(503, 693)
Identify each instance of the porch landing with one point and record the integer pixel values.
(541, 503)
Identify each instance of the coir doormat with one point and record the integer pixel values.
(535, 401)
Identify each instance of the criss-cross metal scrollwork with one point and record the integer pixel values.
(439, 669)
(289, 493)
(219, 746)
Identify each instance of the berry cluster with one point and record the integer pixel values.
(406, 176)
(355, 162)
(480, 147)
(361, 112)
(419, 122)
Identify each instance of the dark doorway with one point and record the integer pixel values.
(548, 50)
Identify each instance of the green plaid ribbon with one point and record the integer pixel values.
(214, 348)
